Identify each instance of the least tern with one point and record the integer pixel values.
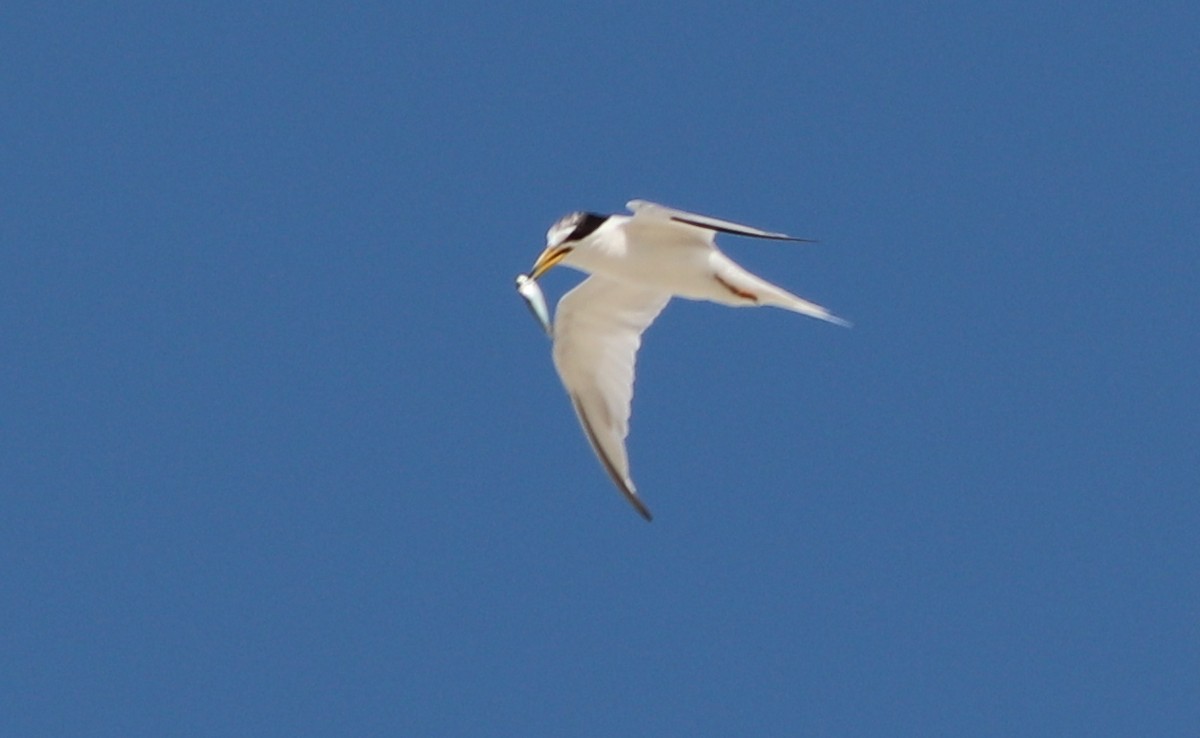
(637, 264)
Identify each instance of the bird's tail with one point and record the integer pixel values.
(740, 288)
(779, 297)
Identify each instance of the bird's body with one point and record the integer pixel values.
(637, 264)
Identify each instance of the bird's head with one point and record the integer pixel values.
(567, 234)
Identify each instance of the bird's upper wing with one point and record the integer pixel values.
(649, 211)
(597, 331)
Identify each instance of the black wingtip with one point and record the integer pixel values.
(740, 232)
(642, 509)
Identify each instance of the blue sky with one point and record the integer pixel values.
(281, 452)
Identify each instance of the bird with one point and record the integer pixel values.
(636, 263)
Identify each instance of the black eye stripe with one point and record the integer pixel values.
(588, 222)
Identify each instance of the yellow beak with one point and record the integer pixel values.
(551, 256)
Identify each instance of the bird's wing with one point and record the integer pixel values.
(648, 211)
(597, 331)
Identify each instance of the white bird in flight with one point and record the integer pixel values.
(637, 264)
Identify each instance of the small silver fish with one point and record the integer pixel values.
(535, 300)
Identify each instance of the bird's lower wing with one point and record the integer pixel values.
(597, 331)
(650, 211)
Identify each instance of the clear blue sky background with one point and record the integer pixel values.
(282, 454)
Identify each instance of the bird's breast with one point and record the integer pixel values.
(669, 266)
